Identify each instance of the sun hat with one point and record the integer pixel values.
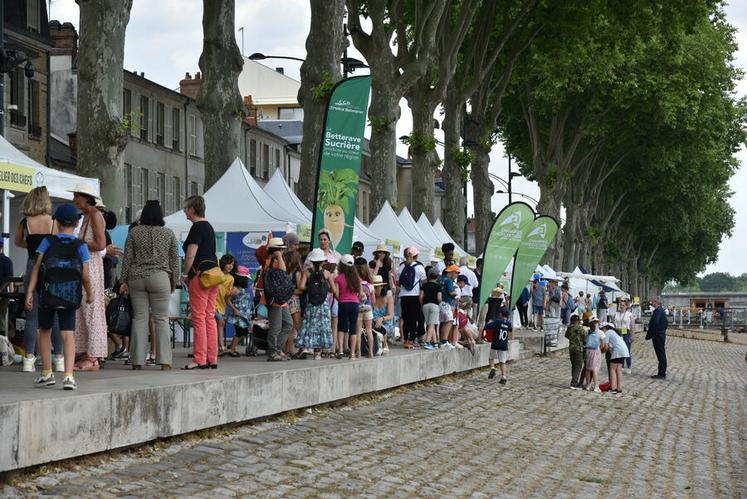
(276, 242)
(587, 315)
(347, 260)
(66, 214)
(291, 238)
(452, 268)
(382, 247)
(84, 188)
(593, 318)
(100, 203)
(242, 271)
(317, 255)
(377, 280)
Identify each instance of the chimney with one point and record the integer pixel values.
(142, 74)
(190, 86)
(280, 70)
(251, 114)
(72, 142)
(64, 36)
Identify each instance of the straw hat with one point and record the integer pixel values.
(276, 242)
(382, 247)
(377, 280)
(84, 188)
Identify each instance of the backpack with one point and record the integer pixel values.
(278, 287)
(61, 275)
(317, 288)
(407, 277)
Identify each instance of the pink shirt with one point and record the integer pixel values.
(346, 294)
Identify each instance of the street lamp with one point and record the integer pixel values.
(349, 64)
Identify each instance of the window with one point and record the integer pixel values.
(160, 123)
(144, 117)
(265, 162)
(253, 157)
(33, 107)
(193, 189)
(144, 187)
(161, 188)
(17, 116)
(176, 128)
(127, 117)
(177, 194)
(290, 113)
(32, 15)
(193, 135)
(277, 158)
(128, 192)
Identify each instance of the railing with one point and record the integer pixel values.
(733, 319)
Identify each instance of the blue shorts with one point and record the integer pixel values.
(65, 317)
(538, 310)
(347, 317)
(218, 316)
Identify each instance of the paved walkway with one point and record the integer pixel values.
(466, 436)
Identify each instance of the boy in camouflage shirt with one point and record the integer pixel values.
(576, 334)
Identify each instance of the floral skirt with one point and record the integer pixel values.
(316, 331)
(593, 359)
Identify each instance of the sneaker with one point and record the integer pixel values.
(597, 390)
(491, 375)
(116, 353)
(125, 355)
(29, 364)
(59, 363)
(47, 380)
(428, 346)
(573, 387)
(458, 345)
(503, 381)
(69, 383)
(628, 370)
(385, 351)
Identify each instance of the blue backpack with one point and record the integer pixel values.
(61, 275)
(407, 277)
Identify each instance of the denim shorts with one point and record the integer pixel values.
(218, 316)
(538, 309)
(65, 317)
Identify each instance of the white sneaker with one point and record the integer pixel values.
(69, 383)
(597, 390)
(29, 364)
(458, 345)
(59, 364)
(629, 370)
(385, 350)
(47, 380)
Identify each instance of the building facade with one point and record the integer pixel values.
(26, 97)
(163, 158)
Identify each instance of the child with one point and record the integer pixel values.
(59, 254)
(593, 355)
(225, 290)
(365, 312)
(297, 273)
(430, 298)
(240, 304)
(499, 346)
(618, 353)
(348, 292)
(316, 331)
(468, 332)
(576, 335)
(447, 308)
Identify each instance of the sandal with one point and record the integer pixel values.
(338, 356)
(190, 367)
(233, 354)
(317, 356)
(87, 365)
(275, 358)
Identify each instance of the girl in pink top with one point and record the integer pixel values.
(347, 291)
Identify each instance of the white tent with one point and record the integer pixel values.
(387, 222)
(426, 228)
(443, 234)
(237, 203)
(409, 223)
(280, 191)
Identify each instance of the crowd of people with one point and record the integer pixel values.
(301, 303)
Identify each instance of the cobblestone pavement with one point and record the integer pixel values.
(465, 436)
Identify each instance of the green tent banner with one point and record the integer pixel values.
(539, 235)
(340, 162)
(503, 240)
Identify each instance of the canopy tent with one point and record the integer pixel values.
(591, 284)
(236, 203)
(444, 236)
(279, 190)
(387, 222)
(426, 228)
(412, 227)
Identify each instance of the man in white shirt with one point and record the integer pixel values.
(410, 275)
(448, 251)
(472, 283)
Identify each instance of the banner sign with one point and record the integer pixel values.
(503, 240)
(243, 246)
(340, 162)
(539, 236)
(16, 177)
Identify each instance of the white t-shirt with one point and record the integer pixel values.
(471, 280)
(440, 266)
(623, 321)
(419, 278)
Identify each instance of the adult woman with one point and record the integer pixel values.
(90, 321)
(150, 272)
(199, 256)
(382, 265)
(295, 270)
(625, 325)
(383, 311)
(32, 229)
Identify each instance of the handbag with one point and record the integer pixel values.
(210, 278)
(119, 315)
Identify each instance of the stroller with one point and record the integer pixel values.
(257, 339)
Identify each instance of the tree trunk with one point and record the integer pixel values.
(383, 114)
(451, 174)
(422, 148)
(219, 100)
(570, 237)
(101, 134)
(482, 193)
(324, 46)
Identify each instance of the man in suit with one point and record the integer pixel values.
(657, 333)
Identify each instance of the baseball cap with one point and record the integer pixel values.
(574, 316)
(433, 272)
(347, 260)
(463, 278)
(452, 268)
(412, 250)
(358, 246)
(66, 214)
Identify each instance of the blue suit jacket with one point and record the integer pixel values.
(657, 326)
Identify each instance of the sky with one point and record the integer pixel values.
(164, 40)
